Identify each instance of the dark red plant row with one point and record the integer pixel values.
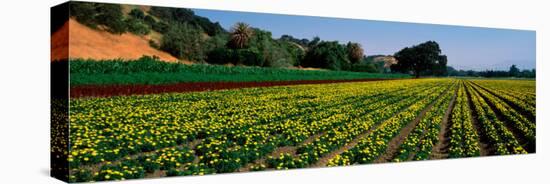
(142, 89)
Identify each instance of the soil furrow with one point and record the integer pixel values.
(485, 148)
(525, 114)
(441, 149)
(520, 137)
(97, 167)
(323, 161)
(281, 150)
(395, 143)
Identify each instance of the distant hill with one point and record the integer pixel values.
(388, 60)
(383, 61)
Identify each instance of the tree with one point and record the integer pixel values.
(240, 34)
(137, 13)
(173, 15)
(453, 72)
(355, 52)
(314, 41)
(84, 13)
(514, 71)
(149, 20)
(329, 55)
(137, 26)
(209, 27)
(95, 14)
(419, 58)
(185, 42)
(160, 27)
(302, 42)
(111, 16)
(440, 67)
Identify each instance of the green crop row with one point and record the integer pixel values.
(151, 71)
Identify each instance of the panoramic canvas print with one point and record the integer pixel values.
(146, 92)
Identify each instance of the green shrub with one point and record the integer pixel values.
(149, 21)
(150, 70)
(111, 16)
(160, 27)
(186, 16)
(329, 55)
(184, 41)
(95, 14)
(137, 14)
(248, 57)
(137, 26)
(369, 67)
(273, 53)
(221, 56)
(84, 12)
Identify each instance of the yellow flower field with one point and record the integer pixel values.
(285, 127)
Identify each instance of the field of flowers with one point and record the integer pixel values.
(285, 127)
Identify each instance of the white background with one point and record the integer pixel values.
(24, 98)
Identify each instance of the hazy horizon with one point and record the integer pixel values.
(467, 48)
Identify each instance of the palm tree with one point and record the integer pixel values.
(355, 52)
(240, 34)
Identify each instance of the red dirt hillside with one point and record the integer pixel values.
(85, 42)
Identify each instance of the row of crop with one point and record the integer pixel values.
(259, 141)
(345, 95)
(375, 143)
(419, 142)
(139, 167)
(523, 90)
(500, 138)
(165, 135)
(526, 87)
(519, 122)
(463, 137)
(150, 71)
(521, 100)
(139, 126)
(147, 131)
(263, 140)
(311, 153)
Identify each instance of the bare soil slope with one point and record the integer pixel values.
(85, 42)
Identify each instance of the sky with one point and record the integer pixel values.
(467, 48)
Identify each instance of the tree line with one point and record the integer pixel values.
(192, 37)
(514, 71)
(195, 38)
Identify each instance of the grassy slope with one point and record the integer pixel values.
(148, 71)
(85, 42)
